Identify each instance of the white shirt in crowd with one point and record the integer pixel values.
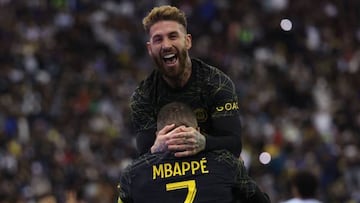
(298, 200)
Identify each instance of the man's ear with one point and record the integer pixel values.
(198, 128)
(148, 47)
(188, 41)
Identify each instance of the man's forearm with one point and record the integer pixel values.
(226, 135)
(231, 143)
(259, 197)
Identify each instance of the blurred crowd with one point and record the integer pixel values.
(68, 68)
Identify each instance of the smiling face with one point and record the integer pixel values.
(168, 46)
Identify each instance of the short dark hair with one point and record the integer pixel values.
(165, 12)
(306, 183)
(176, 113)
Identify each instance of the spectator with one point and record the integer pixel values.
(304, 187)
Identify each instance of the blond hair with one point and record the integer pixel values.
(164, 13)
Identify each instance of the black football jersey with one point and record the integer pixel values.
(210, 177)
(209, 92)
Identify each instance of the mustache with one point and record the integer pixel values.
(165, 50)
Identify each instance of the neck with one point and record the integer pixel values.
(183, 78)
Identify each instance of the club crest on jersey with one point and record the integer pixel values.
(228, 107)
(201, 114)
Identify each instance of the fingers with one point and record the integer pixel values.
(181, 133)
(184, 141)
(161, 137)
(183, 146)
(184, 150)
(180, 139)
(166, 129)
(185, 153)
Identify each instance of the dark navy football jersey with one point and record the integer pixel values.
(209, 92)
(210, 177)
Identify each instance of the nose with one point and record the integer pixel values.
(166, 44)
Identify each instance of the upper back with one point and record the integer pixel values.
(201, 178)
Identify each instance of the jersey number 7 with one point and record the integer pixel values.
(189, 184)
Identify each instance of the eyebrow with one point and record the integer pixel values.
(170, 33)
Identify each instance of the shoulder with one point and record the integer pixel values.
(148, 82)
(145, 87)
(224, 156)
(141, 162)
(207, 69)
(211, 75)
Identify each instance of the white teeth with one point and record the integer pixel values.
(169, 56)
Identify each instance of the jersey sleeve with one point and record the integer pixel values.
(228, 135)
(143, 120)
(223, 95)
(246, 188)
(225, 114)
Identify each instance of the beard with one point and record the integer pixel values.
(173, 73)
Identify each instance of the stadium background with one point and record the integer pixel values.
(68, 68)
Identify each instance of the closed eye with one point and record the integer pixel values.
(157, 39)
(173, 35)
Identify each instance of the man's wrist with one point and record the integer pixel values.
(154, 149)
(158, 148)
(203, 145)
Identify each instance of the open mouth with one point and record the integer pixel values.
(170, 59)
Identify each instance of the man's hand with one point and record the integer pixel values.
(185, 141)
(162, 136)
